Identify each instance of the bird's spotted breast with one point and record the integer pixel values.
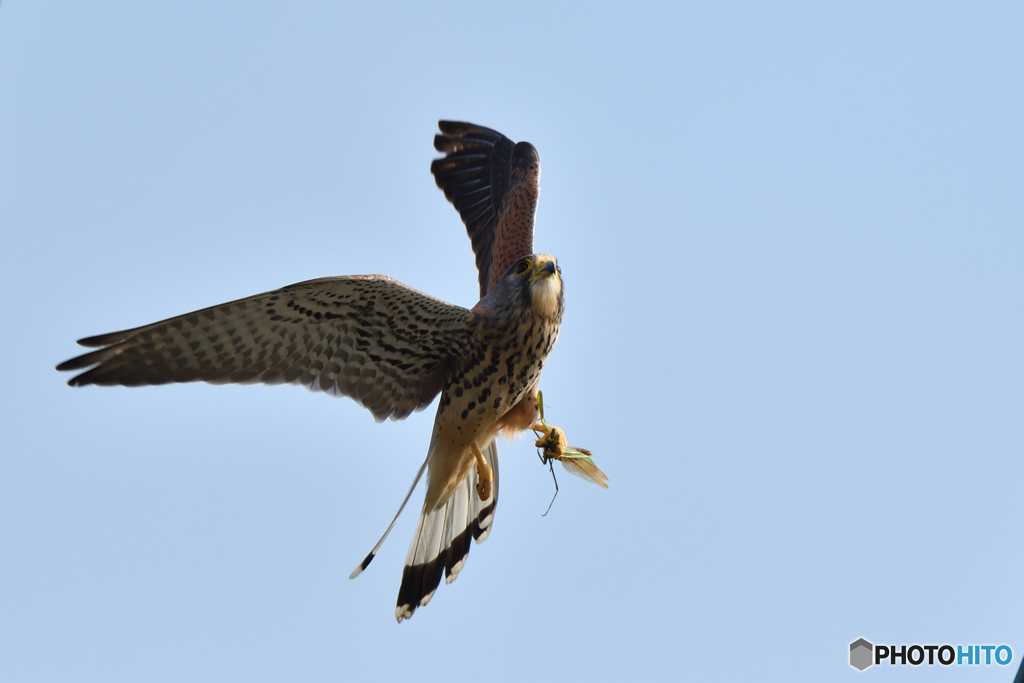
(496, 376)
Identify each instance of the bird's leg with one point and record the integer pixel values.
(483, 473)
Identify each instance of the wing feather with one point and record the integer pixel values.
(367, 337)
(493, 184)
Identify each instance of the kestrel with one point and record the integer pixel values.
(393, 349)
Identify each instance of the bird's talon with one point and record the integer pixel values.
(553, 442)
(483, 486)
(484, 474)
(483, 489)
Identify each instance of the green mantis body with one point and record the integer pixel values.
(553, 446)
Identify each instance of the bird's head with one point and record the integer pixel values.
(533, 282)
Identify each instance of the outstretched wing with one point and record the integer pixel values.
(493, 184)
(368, 337)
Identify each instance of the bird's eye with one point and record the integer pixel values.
(522, 267)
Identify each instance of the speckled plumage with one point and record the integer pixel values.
(386, 345)
(393, 349)
(487, 385)
(513, 341)
(367, 337)
(494, 184)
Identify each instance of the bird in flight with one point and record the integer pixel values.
(393, 349)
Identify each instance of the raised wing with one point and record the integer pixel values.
(367, 337)
(494, 184)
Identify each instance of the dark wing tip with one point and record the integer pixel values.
(465, 129)
(86, 360)
(106, 339)
(525, 152)
(70, 364)
(474, 175)
(92, 358)
(80, 380)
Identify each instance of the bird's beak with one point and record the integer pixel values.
(549, 267)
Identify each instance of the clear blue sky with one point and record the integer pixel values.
(793, 250)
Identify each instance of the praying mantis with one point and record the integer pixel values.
(554, 446)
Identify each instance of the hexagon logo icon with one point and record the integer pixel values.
(861, 654)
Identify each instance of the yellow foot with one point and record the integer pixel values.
(484, 474)
(552, 440)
